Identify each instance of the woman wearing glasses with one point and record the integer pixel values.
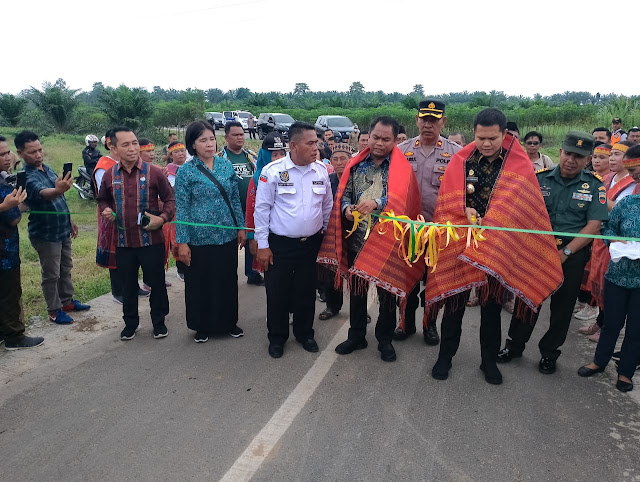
(532, 144)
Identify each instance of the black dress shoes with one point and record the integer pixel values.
(624, 386)
(491, 373)
(387, 352)
(275, 350)
(309, 344)
(587, 372)
(547, 366)
(431, 335)
(506, 355)
(440, 370)
(349, 346)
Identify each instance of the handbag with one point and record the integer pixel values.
(213, 179)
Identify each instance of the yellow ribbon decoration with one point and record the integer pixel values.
(357, 217)
(416, 239)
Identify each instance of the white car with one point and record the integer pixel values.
(243, 117)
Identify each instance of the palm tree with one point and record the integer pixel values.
(11, 108)
(57, 102)
(126, 106)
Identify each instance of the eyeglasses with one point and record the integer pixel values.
(532, 143)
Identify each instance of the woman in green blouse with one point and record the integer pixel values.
(622, 286)
(207, 193)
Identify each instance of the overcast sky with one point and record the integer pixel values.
(521, 48)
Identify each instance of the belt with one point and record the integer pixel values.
(300, 240)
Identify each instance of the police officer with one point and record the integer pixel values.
(576, 201)
(429, 153)
(293, 205)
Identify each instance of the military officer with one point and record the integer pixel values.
(576, 201)
(429, 153)
(293, 206)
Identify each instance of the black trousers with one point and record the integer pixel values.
(415, 298)
(451, 328)
(116, 282)
(11, 324)
(622, 304)
(211, 288)
(151, 260)
(562, 303)
(291, 285)
(358, 311)
(335, 297)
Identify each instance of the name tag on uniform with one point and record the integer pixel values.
(582, 197)
(472, 179)
(285, 184)
(318, 183)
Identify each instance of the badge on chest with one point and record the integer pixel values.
(582, 197)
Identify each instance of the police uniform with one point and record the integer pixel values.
(293, 206)
(429, 170)
(571, 204)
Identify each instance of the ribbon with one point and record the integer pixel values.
(399, 220)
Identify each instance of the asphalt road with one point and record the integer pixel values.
(87, 406)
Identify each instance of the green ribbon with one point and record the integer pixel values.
(494, 228)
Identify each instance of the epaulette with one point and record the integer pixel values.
(321, 163)
(543, 170)
(597, 176)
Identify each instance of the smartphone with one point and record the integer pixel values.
(21, 180)
(68, 166)
(144, 221)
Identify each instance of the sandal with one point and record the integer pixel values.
(326, 314)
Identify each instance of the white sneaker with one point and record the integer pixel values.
(587, 313)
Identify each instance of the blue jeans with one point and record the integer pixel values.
(620, 304)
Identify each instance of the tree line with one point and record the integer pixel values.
(57, 108)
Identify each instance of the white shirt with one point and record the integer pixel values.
(627, 191)
(293, 201)
(99, 174)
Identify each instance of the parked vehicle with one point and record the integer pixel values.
(271, 121)
(215, 119)
(341, 126)
(84, 184)
(229, 116)
(243, 118)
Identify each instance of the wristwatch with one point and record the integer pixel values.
(567, 252)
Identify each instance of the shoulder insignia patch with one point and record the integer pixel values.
(408, 153)
(542, 170)
(597, 176)
(445, 154)
(263, 178)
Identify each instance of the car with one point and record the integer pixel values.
(229, 115)
(215, 119)
(270, 121)
(243, 117)
(341, 126)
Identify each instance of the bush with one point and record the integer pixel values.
(11, 108)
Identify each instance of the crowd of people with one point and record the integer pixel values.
(307, 214)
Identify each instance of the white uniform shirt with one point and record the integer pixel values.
(291, 200)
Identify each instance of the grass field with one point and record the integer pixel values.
(89, 280)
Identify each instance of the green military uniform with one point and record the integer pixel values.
(571, 204)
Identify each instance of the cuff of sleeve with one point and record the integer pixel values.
(263, 244)
(164, 217)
